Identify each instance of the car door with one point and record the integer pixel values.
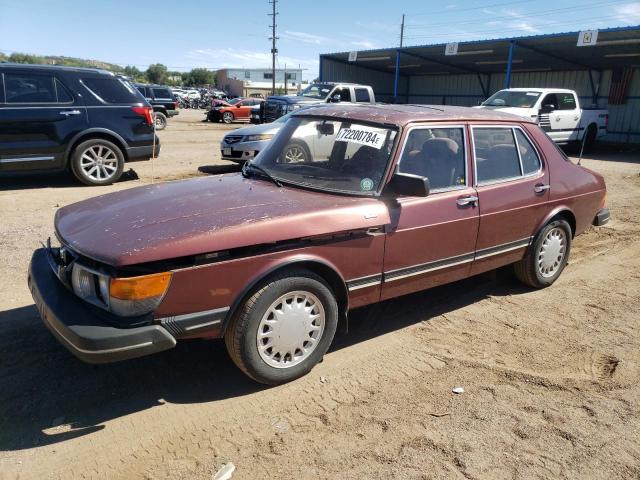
(512, 184)
(560, 116)
(38, 118)
(431, 240)
(243, 109)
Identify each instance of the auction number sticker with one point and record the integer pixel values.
(369, 136)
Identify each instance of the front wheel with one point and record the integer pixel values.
(97, 162)
(547, 256)
(227, 117)
(284, 328)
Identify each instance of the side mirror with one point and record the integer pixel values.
(410, 185)
(335, 98)
(325, 128)
(238, 105)
(547, 108)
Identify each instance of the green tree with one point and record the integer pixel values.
(132, 72)
(157, 73)
(201, 76)
(26, 58)
(3, 57)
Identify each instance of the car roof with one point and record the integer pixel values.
(55, 67)
(541, 90)
(404, 114)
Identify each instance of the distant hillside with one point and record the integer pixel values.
(55, 60)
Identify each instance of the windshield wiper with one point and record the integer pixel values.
(248, 166)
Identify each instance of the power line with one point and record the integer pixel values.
(448, 12)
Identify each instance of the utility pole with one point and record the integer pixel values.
(274, 50)
(402, 31)
(285, 80)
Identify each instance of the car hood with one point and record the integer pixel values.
(257, 129)
(294, 99)
(208, 214)
(521, 112)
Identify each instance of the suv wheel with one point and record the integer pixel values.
(227, 117)
(547, 256)
(97, 162)
(161, 120)
(284, 328)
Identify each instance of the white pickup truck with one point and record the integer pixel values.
(557, 111)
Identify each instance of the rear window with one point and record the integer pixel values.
(566, 101)
(111, 90)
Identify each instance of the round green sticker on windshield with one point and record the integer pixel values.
(366, 184)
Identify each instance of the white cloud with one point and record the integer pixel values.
(364, 44)
(379, 26)
(628, 13)
(305, 37)
(237, 58)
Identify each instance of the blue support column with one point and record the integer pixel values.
(320, 69)
(507, 77)
(396, 80)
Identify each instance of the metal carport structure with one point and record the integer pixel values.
(603, 74)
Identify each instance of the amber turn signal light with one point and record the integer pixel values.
(140, 288)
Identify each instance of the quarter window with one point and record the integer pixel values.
(528, 155)
(29, 88)
(435, 153)
(111, 90)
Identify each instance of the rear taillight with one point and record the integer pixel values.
(175, 105)
(146, 112)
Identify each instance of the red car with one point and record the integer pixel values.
(236, 109)
(390, 200)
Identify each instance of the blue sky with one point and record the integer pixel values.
(213, 34)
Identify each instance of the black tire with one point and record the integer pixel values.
(161, 120)
(590, 141)
(81, 174)
(241, 334)
(304, 155)
(227, 117)
(528, 269)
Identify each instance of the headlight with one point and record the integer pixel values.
(258, 138)
(138, 295)
(125, 297)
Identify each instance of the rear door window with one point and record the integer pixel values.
(111, 90)
(29, 88)
(496, 154)
(362, 95)
(528, 156)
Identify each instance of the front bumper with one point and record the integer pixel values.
(602, 217)
(241, 152)
(78, 326)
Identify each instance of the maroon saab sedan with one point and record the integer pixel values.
(387, 200)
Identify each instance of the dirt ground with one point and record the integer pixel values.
(551, 377)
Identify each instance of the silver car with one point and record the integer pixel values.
(245, 143)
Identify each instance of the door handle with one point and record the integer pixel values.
(468, 200)
(68, 113)
(540, 187)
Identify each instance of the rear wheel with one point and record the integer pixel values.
(97, 162)
(284, 328)
(227, 117)
(161, 120)
(547, 256)
(295, 152)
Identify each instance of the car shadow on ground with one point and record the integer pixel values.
(51, 180)
(48, 396)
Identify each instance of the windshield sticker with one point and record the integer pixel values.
(366, 184)
(371, 137)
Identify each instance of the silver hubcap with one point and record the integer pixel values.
(290, 329)
(228, 117)
(159, 121)
(552, 252)
(99, 162)
(294, 154)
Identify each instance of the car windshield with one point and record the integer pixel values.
(509, 98)
(333, 155)
(233, 101)
(318, 91)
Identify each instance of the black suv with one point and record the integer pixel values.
(162, 100)
(87, 120)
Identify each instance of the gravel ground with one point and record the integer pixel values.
(550, 377)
